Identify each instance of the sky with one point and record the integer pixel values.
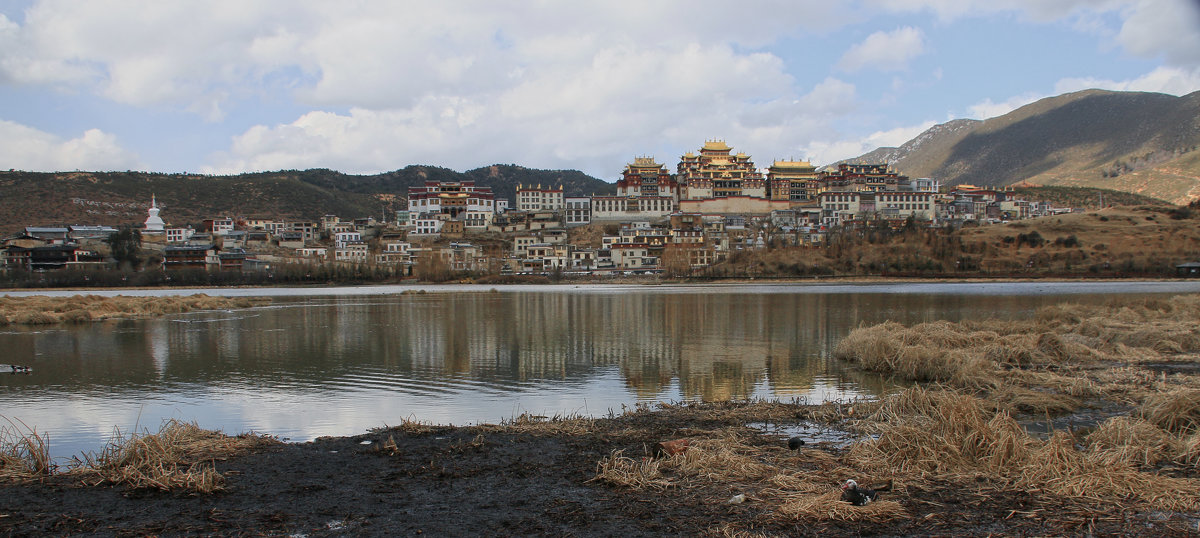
(364, 86)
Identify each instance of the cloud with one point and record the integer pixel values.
(988, 109)
(26, 148)
(1167, 28)
(829, 152)
(377, 55)
(1169, 80)
(1034, 10)
(885, 51)
(1172, 80)
(564, 117)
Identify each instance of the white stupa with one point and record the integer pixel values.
(154, 223)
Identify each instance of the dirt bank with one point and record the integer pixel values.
(544, 477)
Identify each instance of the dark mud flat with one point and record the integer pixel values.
(529, 479)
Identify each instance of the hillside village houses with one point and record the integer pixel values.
(716, 202)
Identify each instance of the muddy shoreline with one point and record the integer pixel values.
(540, 477)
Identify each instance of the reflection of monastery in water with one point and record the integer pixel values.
(652, 340)
(701, 344)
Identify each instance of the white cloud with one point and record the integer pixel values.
(1153, 28)
(1035, 10)
(469, 83)
(1167, 28)
(26, 148)
(1172, 80)
(825, 152)
(885, 51)
(556, 123)
(988, 109)
(369, 54)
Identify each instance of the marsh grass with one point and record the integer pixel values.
(1046, 365)
(1131, 441)
(43, 310)
(24, 453)
(923, 439)
(566, 424)
(945, 434)
(830, 506)
(620, 470)
(1176, 411)
(180, 456)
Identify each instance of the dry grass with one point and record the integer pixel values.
(1056, 467)
(1177, 411)
(945, 434)
(726, 462)
(923, 439)
(621, 470)
(726, 459)
(926, 352)
(1044, 365)
(830, 506)
(180, 456)
(927, 433)
(409, 425)
(24, 454)
(42, 310)
(570, 424)
(1131, 441)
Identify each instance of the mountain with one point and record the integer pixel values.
(1144, 143)
(115, 198)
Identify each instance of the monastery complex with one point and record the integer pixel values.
(714, 203)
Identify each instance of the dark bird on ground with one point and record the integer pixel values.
(857, 496)
(795, 443)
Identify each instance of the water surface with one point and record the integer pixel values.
(338, 361)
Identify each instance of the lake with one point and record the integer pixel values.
(339, 361)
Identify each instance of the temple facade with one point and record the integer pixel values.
(646, 178)
(795, 181)
(450, 198)
(718, 173)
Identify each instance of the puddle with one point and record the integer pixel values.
(811, 432)
(1173, 367)
(1084, 419)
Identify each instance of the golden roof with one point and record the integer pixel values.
(792, 164)
(716, 145)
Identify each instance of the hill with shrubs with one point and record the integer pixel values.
(115, 198)
(1136, 142)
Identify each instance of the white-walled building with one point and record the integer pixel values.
(452, 198)
(531, 198)
(578, 210)
(342, 239)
